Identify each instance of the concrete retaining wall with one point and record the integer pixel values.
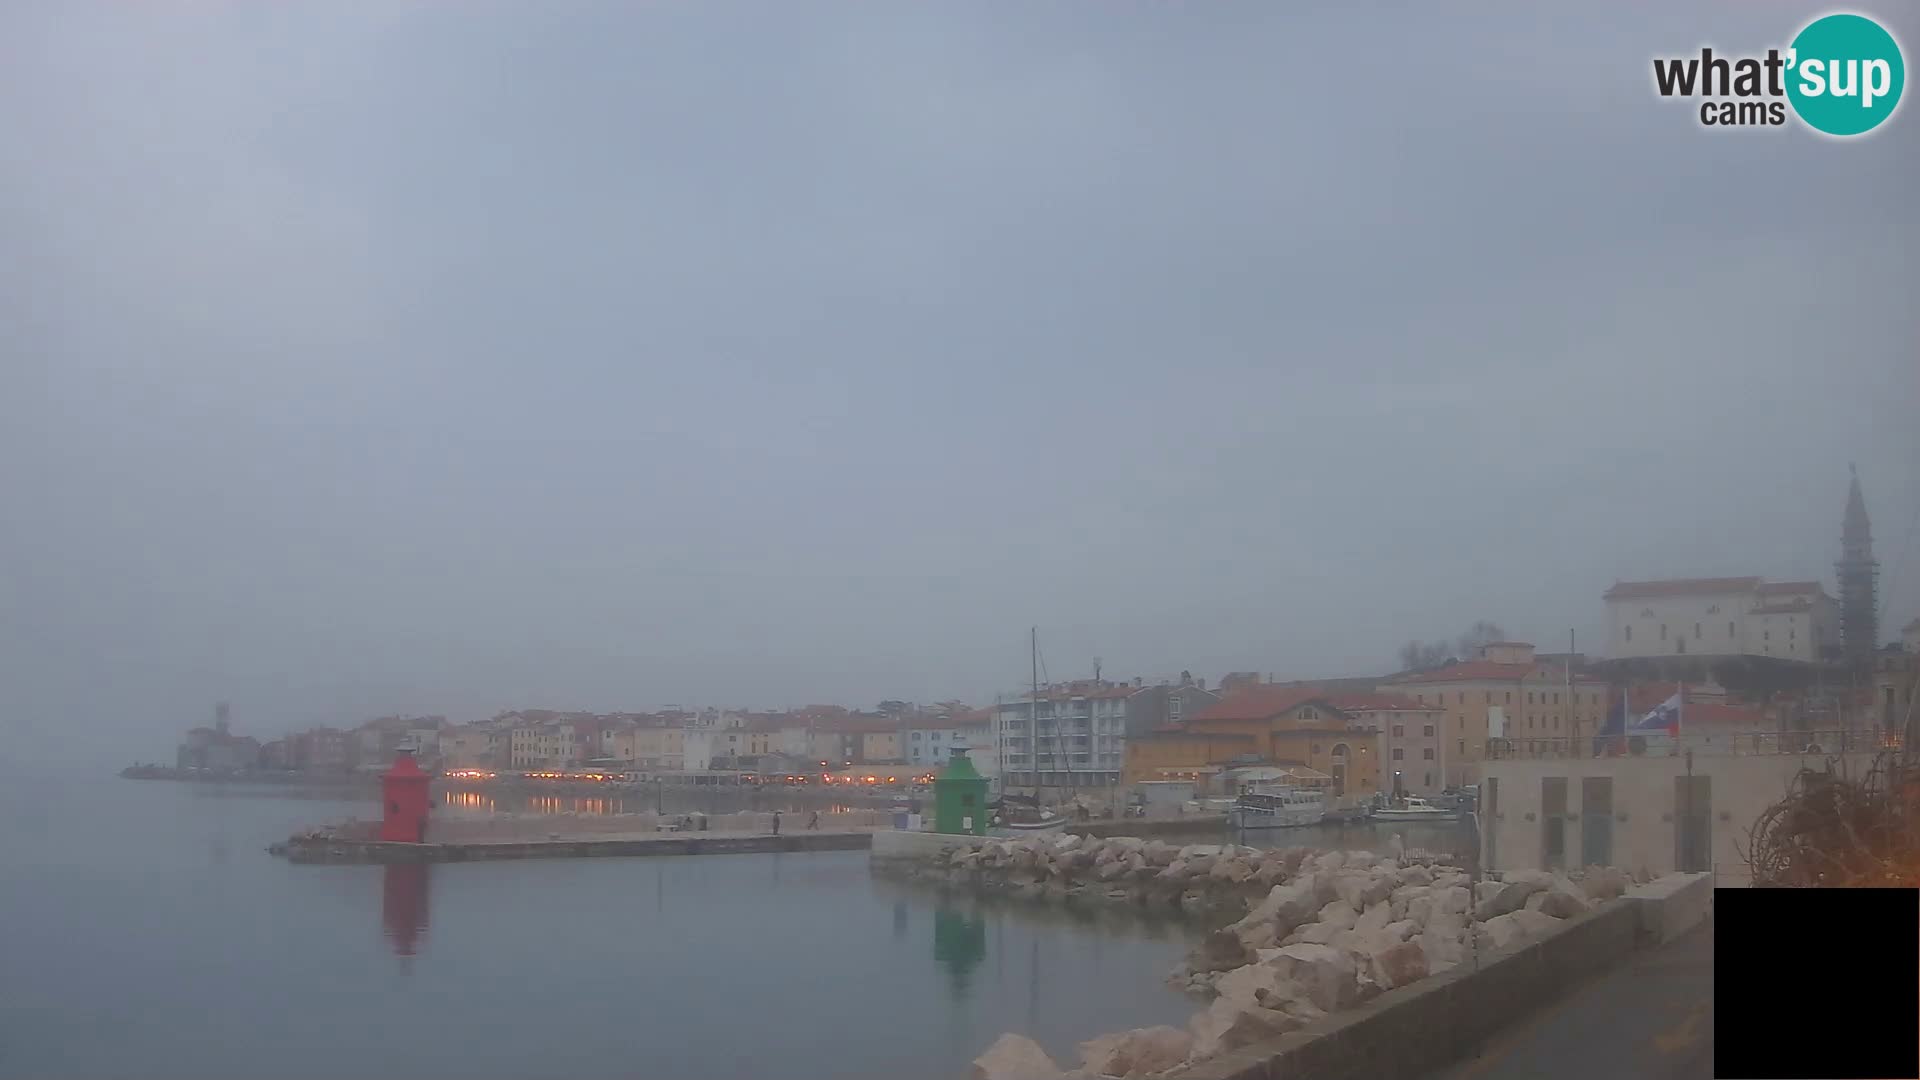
(1439, 1020)
(362, 851)
(920, 845)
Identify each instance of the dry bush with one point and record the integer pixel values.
(1837, 830)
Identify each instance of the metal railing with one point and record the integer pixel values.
(1824, 742)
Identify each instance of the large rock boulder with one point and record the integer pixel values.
(1452, 899)
(1535, 923)
(1329, 860)
(1397, 964)
(1374, 919)
(1561, 902)
(1221, 950)
(1136, 1053)
(1015, 1057)
(1285, 906)
(1234, 870)
(1159, 852)
(1324, 973)
(1604, 883)
(1415, 875)
(1502, 931)
(1229, 1025)
(1363, 890)
(1511, 897)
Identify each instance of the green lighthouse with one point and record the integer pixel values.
(960, 797)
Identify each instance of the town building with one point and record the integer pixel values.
(1410, 743)
(930, 738)
(1688, 808)
(1066, 736)
(1264, 724)
(1858, 573)
(1505, 694)
(1167, 703)
(217, 748)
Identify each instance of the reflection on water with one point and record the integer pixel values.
(480, 802)
(403, 907)
(959, 945)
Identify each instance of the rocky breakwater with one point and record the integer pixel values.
(1327, 932)
(1197, 878)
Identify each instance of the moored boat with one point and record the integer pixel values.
(1413, 808)
(1278, 808)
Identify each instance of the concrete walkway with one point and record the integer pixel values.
(1651, 1018)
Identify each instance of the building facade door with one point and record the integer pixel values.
(1596, 821)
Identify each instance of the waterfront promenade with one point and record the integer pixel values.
(1651, 1017)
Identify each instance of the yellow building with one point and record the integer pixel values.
(1505, 692)
(1264, 724)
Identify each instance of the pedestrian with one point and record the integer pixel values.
(814, 821)
(776, 823)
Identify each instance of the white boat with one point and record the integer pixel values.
(1279, 808)
(1413, 808)
(1022, 828)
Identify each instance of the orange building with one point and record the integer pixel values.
(1267, 724)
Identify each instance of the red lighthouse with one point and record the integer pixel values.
(407, 801)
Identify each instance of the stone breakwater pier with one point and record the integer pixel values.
(1332, 952)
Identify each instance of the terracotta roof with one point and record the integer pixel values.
(1792, 608)
(1381, 703)
(1623, 590)
(1793, 588)
(1170, 731)
(1260, 702)
(1470, 671)
(1507, 645)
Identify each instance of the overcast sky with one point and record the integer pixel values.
(438, 357)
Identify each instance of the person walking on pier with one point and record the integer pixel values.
(814, 821)
(776, 823)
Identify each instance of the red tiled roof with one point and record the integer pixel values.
(1260, 702)
(1793, 588)
(1623, 590)
(1380, 703)
(1470, 671)
(1174, 731)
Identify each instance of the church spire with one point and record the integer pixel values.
(1859, 574)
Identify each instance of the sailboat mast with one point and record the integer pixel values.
(1033, 655)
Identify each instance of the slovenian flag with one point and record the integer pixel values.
(1665, 717)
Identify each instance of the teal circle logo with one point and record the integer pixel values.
(1845, 74)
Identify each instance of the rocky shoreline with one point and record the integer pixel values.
(1318, 931)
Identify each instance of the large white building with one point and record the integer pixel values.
(1074, 735)
(1738, 616)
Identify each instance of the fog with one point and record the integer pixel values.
(359, 359)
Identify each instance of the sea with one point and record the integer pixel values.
(148, 933)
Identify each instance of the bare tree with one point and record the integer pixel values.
(1420, 656)
(1479, 634)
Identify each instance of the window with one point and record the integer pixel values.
(1509, 700)
(1629, 633)
(1663, 631)
(1729, 629)
(1427, 753)
(1429, 779)
(1463, 746)
(1463, 698)
(1400, 729)
(1529, 698)
(1766, 635)
(1556, 699)
(1696, 631)
(1398, 754)
(1307, 713)
(1174, 706)
(916, 736)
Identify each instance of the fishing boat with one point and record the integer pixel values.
(1278, 808)
(1017, 814)
(1413, 808)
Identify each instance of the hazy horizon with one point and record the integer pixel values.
(411, 359)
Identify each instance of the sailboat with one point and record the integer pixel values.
(1016, 814)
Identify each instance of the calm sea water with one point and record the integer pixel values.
(148, 934)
